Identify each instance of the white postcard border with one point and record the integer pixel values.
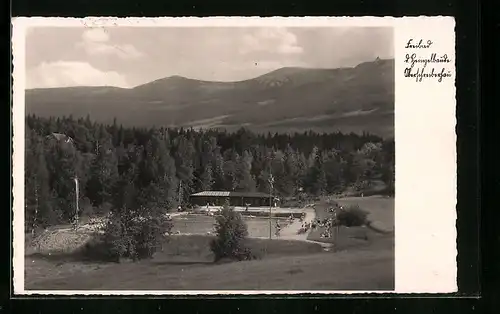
(425, 202)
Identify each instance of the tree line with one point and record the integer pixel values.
(121, 167)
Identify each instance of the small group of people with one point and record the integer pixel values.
(302, 217)
(319, 223)
(326, 234)
(278, 228)
(305, 227)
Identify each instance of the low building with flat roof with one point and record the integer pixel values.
(219, 198)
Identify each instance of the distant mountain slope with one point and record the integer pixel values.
(289, 99)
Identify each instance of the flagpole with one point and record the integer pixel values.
(76, 201)
(271, 181)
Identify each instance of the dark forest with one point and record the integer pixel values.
(118, 167)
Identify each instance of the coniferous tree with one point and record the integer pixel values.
(263, 181)
(64, 165)
(163, 173)
(244, 178)
(153, 162)
(231, 159)
(205, 173)
(218, 170)
(206, 180)
(184, 151)
(317, 182)
(37, 194)
(103, 171)
(333, 171)
(290, 181)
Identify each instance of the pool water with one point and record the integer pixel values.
(202, 224)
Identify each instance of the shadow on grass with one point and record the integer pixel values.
(58, 257)
(182, 263)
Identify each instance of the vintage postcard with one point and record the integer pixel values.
(232, 155)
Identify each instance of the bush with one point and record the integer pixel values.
(98, 250)
(231, 233)
(135, 237)
(352, 216)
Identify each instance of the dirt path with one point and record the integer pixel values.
(291, 231)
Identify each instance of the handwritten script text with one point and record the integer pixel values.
(429, 65)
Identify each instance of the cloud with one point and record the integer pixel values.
(72, 73)
(95, 41)
(95, 35)
(274, 40)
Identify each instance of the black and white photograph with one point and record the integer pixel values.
(209, 158)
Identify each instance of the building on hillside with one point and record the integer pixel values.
(219, 198)
(60, 137)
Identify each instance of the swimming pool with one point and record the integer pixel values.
(202, 224)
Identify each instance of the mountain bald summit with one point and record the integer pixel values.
(355, 99)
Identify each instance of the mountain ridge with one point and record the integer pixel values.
(354, 99)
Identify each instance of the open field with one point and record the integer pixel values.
(381, 212)
(380, 208)
(186, 264)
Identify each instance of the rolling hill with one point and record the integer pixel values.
(290, 99)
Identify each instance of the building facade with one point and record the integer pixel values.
(219, 198)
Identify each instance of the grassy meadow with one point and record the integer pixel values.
(363, 260)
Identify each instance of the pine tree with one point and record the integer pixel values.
(184, 155)
(218, 170)
(244, 178)
(166, 176)
(146, 164)
(157, 174)
(317, 177)
(64, 164)
(290, 181)
(207, 148)
(37, 193)
(333, 171)
(263, 181)
(103, 170)
(231, 160)
(206, 178)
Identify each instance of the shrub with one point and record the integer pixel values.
(231, 233)
(134, 236)
(116, 238)
(98, 250)
(352, 216)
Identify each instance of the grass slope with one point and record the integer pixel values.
(381, 211)
(185, 264)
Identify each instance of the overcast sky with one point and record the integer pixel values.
(128, 56)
